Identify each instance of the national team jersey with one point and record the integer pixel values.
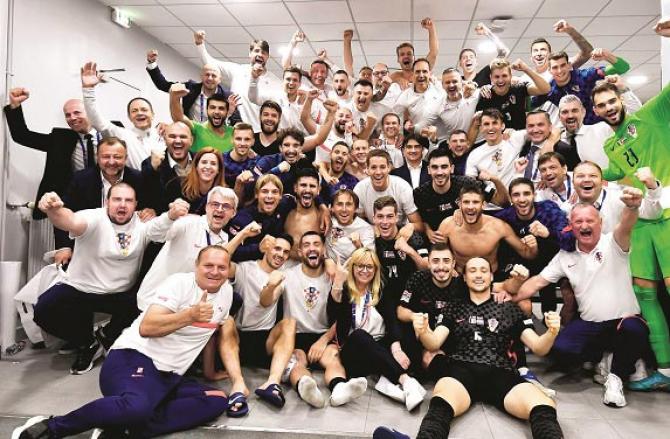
(643, 139)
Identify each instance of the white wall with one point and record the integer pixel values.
(51, 40)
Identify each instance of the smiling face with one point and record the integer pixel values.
(291, 83)
(468, 62)
(440, 169)
(538, 127)
(553, 174)
(344, 209)
(269, 120)
(458, 144)
(111, 160)
(219, 211)
(339, 157)
(610, 107)
(311, 251)
(268, 196)
(178, 139)
(278, 253)
(211, 270)
(441, 264)
(522, 197)
(586, 225)
(501, 79)
(342, 117)
(378, 170)
(391, 126)
(359, 151)
(211, 77)
(75, 116)
(386, 222)
(412, 151)
(560, 70)
(379, 70)
(364, 270)
(306, 189)
(539, 54)
(492, 129)
(243, 140)
(472, 205)
(453, 85)
(588, 182)
(318, 74)
(405, 57)
(572, 115)
(121, 204)
(207, 168)
(258, 55)
(217, 111)
(291, 149)
(478, 276)
(140, 114)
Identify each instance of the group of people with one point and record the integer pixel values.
(385, 224)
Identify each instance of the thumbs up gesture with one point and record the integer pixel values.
(202, 311)
(420, 323)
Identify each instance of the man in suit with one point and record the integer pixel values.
(415, 170)
(158, 170)
(89, 188)
(68, 150)
(195, 102)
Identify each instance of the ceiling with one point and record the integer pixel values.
(623, 26)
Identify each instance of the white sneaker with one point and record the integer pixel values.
(640, 371)
(97, 433)
(613, 395)
(414, 393)
(310, 393)
(16, 434)
(348, 391)
(603, 368)
(529, 376)
(393, 391)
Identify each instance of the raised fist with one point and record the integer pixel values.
(50, 201)
(152, 56)
(17, 96)
(199, 37)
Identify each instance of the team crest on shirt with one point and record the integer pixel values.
(444, 207)
(123, 239)
(599, 257)
(632, 130)
(311, 297)
(439, 304)
(406, 296)
(493, 324)
(337, 233)
(402, 255)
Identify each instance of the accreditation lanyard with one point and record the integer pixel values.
(365, 315)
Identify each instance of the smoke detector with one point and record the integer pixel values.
(499, 23)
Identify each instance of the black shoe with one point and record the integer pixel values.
(34, 428)
(67, 348)
(105, 341)
(86, 357)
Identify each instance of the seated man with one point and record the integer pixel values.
(145, 392)
(479, 368)
(598, 271)
(347, 232)
(305, 289)
(110, 242)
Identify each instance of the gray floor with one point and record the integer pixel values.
(37, 382)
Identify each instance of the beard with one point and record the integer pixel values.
(268, 131)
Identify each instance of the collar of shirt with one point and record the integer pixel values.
(172, 163)
(104, 180)
(409, 166)
(219, 237)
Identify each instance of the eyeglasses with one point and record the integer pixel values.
(222, 206)
(364, 267)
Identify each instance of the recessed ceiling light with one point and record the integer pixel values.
(636, 79)
(487, 47)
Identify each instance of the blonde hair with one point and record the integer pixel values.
(360, 256)
(500, 63)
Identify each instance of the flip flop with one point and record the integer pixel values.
(243, 409)
(268, 395)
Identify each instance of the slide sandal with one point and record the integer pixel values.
(268, 395)
(242, 409)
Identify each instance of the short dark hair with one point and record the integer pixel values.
(340, 72)
(589, 163)
(471, 188)
(286, 237)
(493, 113)
(457, 131)
(379, 153)
(390, 114)
(539, 111)
(264, 45)
(602, 87)
(243, 126)
(423, 141)
(438, 247)
(364, 68)
(467, 49)
(112, 140)
(551, 155)
(521, 180)
(270, 104)
(540, 40)
(219, 97)
(559, 55)
(293, 69)
(339, 143)
(402, 45)
(120, 184)
(383, 202)
(349, 192)
(306, 173)
(363, 83)
(320, 61)
(291, 132)
(438, 153)
(418, 60)
(139, 98)
(312, 233)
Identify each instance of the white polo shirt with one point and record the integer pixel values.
(188, 235)
(176, 351)
(305, 299)
(107, 256)
(398, 188)
(419, 105)
(250, 279)
(601, 280)
(496, 159)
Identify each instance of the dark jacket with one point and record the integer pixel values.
(194, 89)
(403, 172)
(568, 152)
(157, 182)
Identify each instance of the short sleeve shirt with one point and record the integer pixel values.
(305, 299)
(396, 265)
(398, 188)
(203, 136)
(423, 296)
(512, 105)
(434, 207)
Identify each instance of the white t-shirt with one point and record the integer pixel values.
(250, 279)
(419, 105)
(305, 299)
(338, 240)
(450, 116)
(176, 351)
(372, 322)
(496, 159)
(601, 280)
(398, 188)
(107, 256)
(185, 239)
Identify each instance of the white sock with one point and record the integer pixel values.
(348, 391)
(665, 371)
(309, 391)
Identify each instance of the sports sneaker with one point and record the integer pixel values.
(414, 393)
(613, 395)
(104, 341)
(640, 371)
(655, 381)
(393, 391)
(529, 376)
(35, 427)
(602, 369)
(86, 358)
(67, 348)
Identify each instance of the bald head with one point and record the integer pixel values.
(211, 77)
(75, 116)
(178, 139)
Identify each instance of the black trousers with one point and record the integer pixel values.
(362, 355)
